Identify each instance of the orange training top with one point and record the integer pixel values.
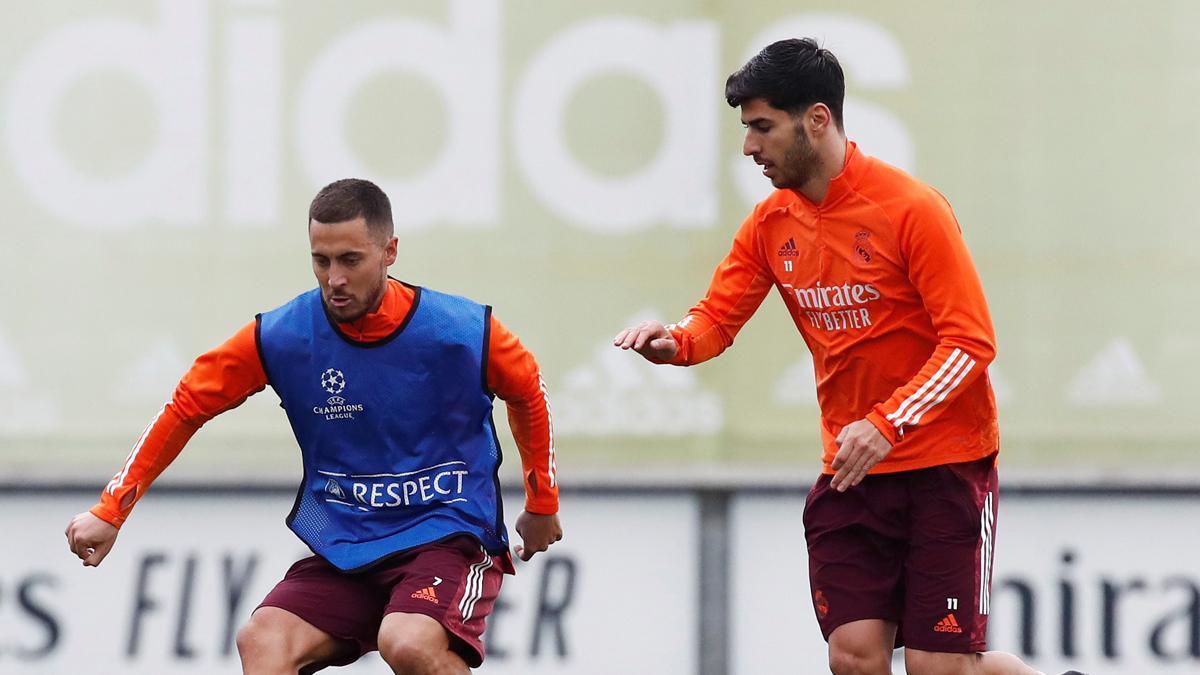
(879, 282)
(226, 376)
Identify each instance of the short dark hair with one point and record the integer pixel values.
(351, 198)
(791, 75)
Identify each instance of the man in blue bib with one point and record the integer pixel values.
(388, 388)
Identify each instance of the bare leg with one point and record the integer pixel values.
(415, 644)
(277, 642)
(862, 648)
(918, 662)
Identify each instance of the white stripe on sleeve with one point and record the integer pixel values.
(923, 388)
(119, 479)
(942, 397)
(942, 382)
(552, 467)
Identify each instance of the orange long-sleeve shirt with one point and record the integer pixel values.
(879, 283)
(223, 378)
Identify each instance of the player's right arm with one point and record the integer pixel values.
(219, 380)
(738, 287)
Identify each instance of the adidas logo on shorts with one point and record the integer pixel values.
(426, 593)
(948, 625)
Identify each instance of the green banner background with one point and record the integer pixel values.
(1063, 134)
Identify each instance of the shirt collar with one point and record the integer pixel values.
(397, 301)
(844, 183)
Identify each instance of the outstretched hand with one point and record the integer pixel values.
(860, 447)
(537, 533)
(90, 538)
(651, 339)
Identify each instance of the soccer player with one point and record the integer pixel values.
(388, 389)
(871, 264)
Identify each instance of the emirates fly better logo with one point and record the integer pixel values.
(333, 381)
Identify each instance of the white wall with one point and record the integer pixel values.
(618, 594)
(1113, 542)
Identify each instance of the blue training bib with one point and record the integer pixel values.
(397, 436)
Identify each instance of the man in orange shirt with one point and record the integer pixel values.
(872, 267)
(388, 389)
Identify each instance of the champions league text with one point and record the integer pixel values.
(338, 412)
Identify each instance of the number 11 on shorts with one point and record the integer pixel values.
(951, 603)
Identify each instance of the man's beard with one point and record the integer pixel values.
(372, 299)
(799, 164)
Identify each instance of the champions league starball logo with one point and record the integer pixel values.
(333, 381)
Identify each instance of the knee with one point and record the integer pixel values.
(917, 662)
(856, 662)
(407, 654)
(260, 643)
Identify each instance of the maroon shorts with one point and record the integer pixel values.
(913, 547)
(455, 582)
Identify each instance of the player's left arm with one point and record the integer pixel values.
(941, 269)
(513, 375)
